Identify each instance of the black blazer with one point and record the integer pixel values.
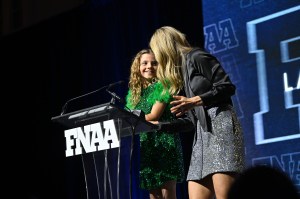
(204, 76)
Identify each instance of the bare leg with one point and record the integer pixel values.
(201, 189)
(155, 194)
(169, 190)
(222, 183)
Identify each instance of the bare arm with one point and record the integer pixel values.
(156, 111)
(183, 124)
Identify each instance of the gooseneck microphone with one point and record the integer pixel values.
(115, 96)
(64, 108)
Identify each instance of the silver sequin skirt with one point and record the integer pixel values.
(221, 150)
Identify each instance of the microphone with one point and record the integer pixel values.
(114, 95)
(113, 84)
(99, 89)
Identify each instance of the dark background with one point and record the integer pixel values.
(52, 51)
(64, 56)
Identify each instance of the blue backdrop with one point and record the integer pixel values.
(258, 42)
(77, 52)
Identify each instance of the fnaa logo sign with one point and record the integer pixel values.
(91, 138)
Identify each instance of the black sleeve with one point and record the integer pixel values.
(211, 82)
(182, 124)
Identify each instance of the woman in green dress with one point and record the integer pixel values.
(161, 166)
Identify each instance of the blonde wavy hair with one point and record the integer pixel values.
(136, 81)
(169, 47)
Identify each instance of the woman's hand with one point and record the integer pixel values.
(183, 104)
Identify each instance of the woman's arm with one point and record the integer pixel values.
(210, 81)
(182, 124)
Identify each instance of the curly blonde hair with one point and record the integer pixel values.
(136, 81)
(169, 47)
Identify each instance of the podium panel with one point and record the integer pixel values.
(105, 112)
(100, 166)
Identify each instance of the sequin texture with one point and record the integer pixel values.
(161, 152)
(222, 149)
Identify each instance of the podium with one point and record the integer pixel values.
(97, 172)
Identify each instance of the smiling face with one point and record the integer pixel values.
(148, 66)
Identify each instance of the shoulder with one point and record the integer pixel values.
(160, 93)
(158, 84)
(197, 53)
(158, 87)
(199, 58)
(129, 93)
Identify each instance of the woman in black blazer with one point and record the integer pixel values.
(218, 148)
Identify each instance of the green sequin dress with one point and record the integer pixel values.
(161, 152)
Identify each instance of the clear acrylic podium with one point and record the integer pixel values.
(96, 165)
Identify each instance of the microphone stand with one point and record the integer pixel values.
(106, 168)
(64, 108)
(132, 125)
